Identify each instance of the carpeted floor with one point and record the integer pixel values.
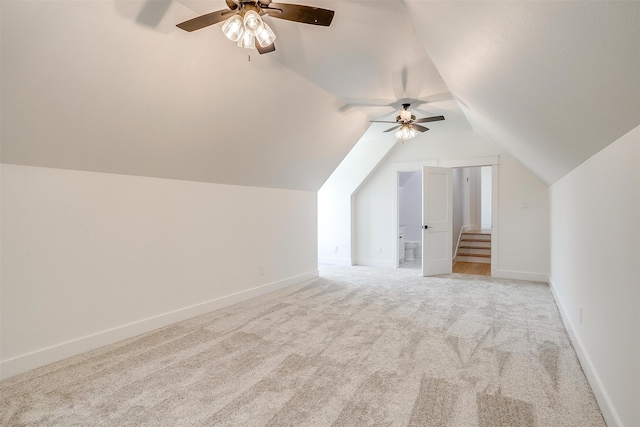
(360, 346)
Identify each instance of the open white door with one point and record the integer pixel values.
(437, 220)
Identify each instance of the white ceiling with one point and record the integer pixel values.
(114, 86)
(552, 82)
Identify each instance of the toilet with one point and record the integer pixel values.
(410, 251)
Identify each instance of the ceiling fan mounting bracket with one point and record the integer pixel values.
(250, 5)
(260, 6)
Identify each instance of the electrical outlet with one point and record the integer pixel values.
(524, 206)
(261, 270)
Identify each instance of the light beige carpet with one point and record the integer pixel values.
(361, 346)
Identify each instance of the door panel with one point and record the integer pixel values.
(437, 220)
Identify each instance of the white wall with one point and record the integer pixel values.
(334, 197)
(90, 258)
(458, 182)
(595, 259)
(466, 197)
(473, 207)
(371, 220)
(523, 251)
(485, 197)
(523, 234)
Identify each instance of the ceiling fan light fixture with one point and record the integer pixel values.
(244, 24)
(405, 132)
(266, 36)
(233, 28)
(247, 41)
(252, 22)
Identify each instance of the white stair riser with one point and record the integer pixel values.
(476, 237)
(473, 259)
(482, 251)
(485, 245)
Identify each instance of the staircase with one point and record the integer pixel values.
(475, 246)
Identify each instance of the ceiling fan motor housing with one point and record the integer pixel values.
(405, 116)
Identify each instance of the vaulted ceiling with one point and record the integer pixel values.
(113, 86)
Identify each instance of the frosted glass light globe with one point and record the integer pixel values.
(265, 37)
(252, 22)
(233, 28)
(247, 41)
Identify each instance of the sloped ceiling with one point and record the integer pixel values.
(552, 82)
(114, 86)
(87, 86)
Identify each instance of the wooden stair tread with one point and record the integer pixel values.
(475, 246)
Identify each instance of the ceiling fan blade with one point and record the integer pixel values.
(266, 49)
(381, 121)
(231, 4)
(395, 104)
(299, 13)
(393, 128)
(419, 128)
(205, 20)
(429, 119)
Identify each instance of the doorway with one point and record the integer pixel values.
(472, 220)
(410, 219)
(474, 209)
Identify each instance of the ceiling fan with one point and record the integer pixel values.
(407, 126)
(244, 24)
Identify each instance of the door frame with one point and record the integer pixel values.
(395, 213)
(493, 161)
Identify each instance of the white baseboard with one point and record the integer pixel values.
(377, 263)
(344, 262)
(521, 275)
(606, 407)
(26, 362)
